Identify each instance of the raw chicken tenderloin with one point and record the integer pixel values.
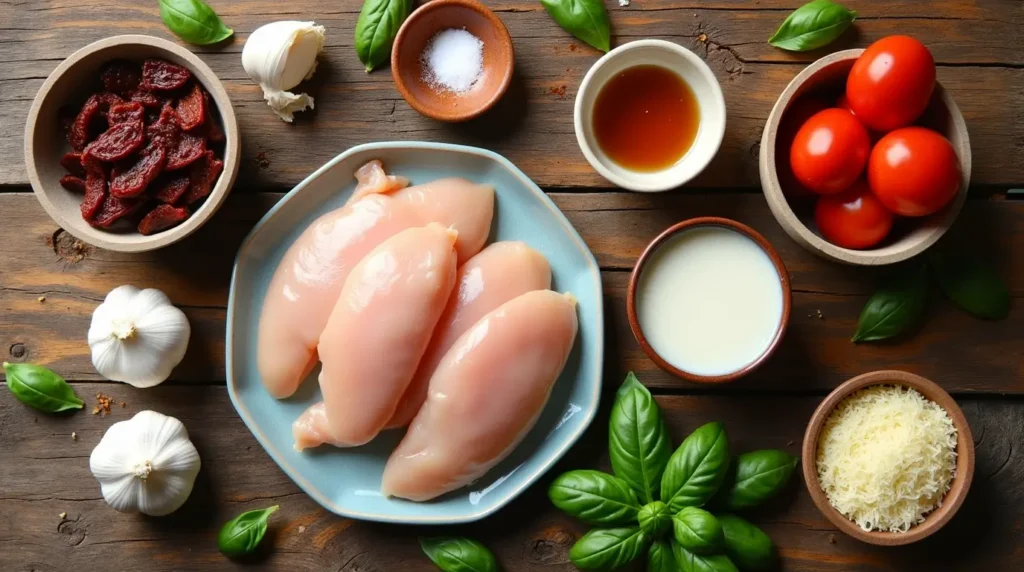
(486, 394)
(380, 327)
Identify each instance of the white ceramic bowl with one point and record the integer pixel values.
(705, 88)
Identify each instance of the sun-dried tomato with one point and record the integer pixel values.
(148, 99)
(73, 183)
(126, 183)
(163, 75)
(202, 176)
(171, 190)
(126, 112)
(214, 132)
(113, 209)
(95, 192)
(72, 163)
(121, 76)
(82, 127)
(117, 142)
(191, 109)
(188, 150)
(162, 218)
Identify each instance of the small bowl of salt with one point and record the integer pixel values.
(452, 59)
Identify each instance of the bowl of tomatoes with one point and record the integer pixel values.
(865, 158)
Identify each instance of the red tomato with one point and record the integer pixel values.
(795, 116)
(854, 218)
(829, 151)
(914, 171)
(891, 82)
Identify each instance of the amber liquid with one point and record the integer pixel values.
(646, 118)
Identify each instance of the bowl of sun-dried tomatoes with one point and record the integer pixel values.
(131, 143)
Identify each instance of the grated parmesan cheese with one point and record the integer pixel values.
(886, 457)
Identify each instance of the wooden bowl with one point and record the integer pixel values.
(417, 31)
(964, 458)
(634, 279)
(909, 237)
(45, 143)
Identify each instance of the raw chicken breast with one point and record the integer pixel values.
(486, 394)
(498, 274)
(464, 205)
(380, 327)
(371, 179)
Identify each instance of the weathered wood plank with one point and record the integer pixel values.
(45, 472)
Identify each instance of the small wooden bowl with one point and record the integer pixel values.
(634, 279)
(416, 32)
(45, 143)
(909, 237)
(964, 458)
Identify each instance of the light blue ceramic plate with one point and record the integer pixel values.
(347, 481)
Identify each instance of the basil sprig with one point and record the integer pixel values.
(242, 534)
(660, 558)
(693, 562)
(638, 441)
(376, 28)
(194, 21)
(896, 306)
(812, 26)
(746, 544)
(756, 477)
(698, 531)
(455, 554)
(594, 497)
(586, 19)
(608, 548)
(40, 388)
(697, 468)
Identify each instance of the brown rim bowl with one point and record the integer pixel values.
(45, 143)
(909, 237)
(634, 279)
(416, 32)
(934, 520)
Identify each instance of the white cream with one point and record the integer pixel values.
(709, 301)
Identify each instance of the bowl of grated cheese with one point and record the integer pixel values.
(888, 457)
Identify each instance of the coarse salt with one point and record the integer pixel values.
(453, 60)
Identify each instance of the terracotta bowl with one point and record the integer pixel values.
(909, 237)
(45, 142)
(964, 458)
(634, 279)
(416, 32)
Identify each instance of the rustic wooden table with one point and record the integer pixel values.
(50, 283)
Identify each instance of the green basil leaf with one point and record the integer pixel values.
(608, 548)
(971, 284)
(242, 534)
(586, 19)
(698, 531)
(594, 497)
(40, 388)
(654, 518)
(747, 545)
(895, 306)
(638, 440)
(812, 26)
(756, 477)
(194, 21)
(690, 562)
(660, 558)
(697, 468)
(376, 28)
(453, 554)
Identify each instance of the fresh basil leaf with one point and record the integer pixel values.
(453, 554)
(586, 19)
(896, 305)
(194, 21)
(690, 562)
(698, 531)
(608, 548)
(638, 440)
(747, 545)
(660, 558)
(594, 497)
(242, 534)
(376, 28)
(971, 284)
(756, 477)
(40, 388)
(697, 468)
(654, 518)
(812, 26)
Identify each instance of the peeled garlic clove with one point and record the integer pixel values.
(279, 56)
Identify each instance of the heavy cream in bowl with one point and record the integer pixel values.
(710, 301)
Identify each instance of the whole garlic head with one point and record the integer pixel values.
(279, 56)
(146, 464)
(137, 336)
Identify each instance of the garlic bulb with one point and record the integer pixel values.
(137, 336)
(278, 56)
(146, 464)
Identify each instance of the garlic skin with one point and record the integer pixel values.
(279, 56)
(145, 464)
(137, 336)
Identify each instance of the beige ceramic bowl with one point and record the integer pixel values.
(909, 237)
(45, 143)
